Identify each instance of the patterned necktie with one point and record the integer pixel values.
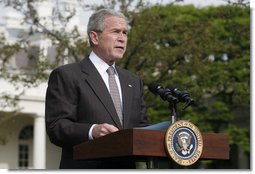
(114, 91)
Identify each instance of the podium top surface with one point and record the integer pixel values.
(140, 142)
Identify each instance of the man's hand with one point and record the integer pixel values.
(100, 130)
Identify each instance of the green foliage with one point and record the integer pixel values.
(239, 136)
(203, 50)
(5, 119)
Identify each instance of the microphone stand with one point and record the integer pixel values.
(152, 162)
(173, 108)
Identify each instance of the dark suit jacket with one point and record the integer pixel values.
(77, 97)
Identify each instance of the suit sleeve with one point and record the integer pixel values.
(62, 125)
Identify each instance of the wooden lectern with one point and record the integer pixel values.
(145, 143)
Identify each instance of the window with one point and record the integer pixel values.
(23, 156)
(25, 137)
(27, 58)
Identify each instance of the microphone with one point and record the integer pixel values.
(164, 93)
(183, 96)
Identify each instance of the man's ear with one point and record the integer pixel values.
(93, 37)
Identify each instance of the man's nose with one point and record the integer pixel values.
(122, 37)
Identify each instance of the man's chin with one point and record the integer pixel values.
(116, 58)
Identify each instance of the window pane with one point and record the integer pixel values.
(23, 155)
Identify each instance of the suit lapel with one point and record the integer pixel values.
(98, 86)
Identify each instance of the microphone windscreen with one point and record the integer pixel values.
(171, 87)
(153, 87)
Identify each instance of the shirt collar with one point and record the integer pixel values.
(100, 65)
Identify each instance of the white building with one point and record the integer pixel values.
(23, 140)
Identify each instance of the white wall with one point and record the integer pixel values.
(9, 151)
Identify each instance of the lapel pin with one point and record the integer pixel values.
(130, 86)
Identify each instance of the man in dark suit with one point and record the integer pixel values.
(79, 104)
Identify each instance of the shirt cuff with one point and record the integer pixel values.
(90, 132)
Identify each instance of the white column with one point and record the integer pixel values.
(39, 143)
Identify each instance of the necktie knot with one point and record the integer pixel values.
(110, 71)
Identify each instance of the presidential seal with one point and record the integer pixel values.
(184, 142)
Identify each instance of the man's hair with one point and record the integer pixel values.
(96, 20)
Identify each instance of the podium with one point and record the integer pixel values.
(140, 143)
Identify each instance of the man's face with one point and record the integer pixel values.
(111, 43)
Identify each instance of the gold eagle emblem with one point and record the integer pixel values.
(184, 140)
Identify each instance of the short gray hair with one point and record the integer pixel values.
(96, 20)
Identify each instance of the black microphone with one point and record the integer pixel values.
(182, 96)
(164, 93)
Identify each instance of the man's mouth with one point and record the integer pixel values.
(120, 47)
